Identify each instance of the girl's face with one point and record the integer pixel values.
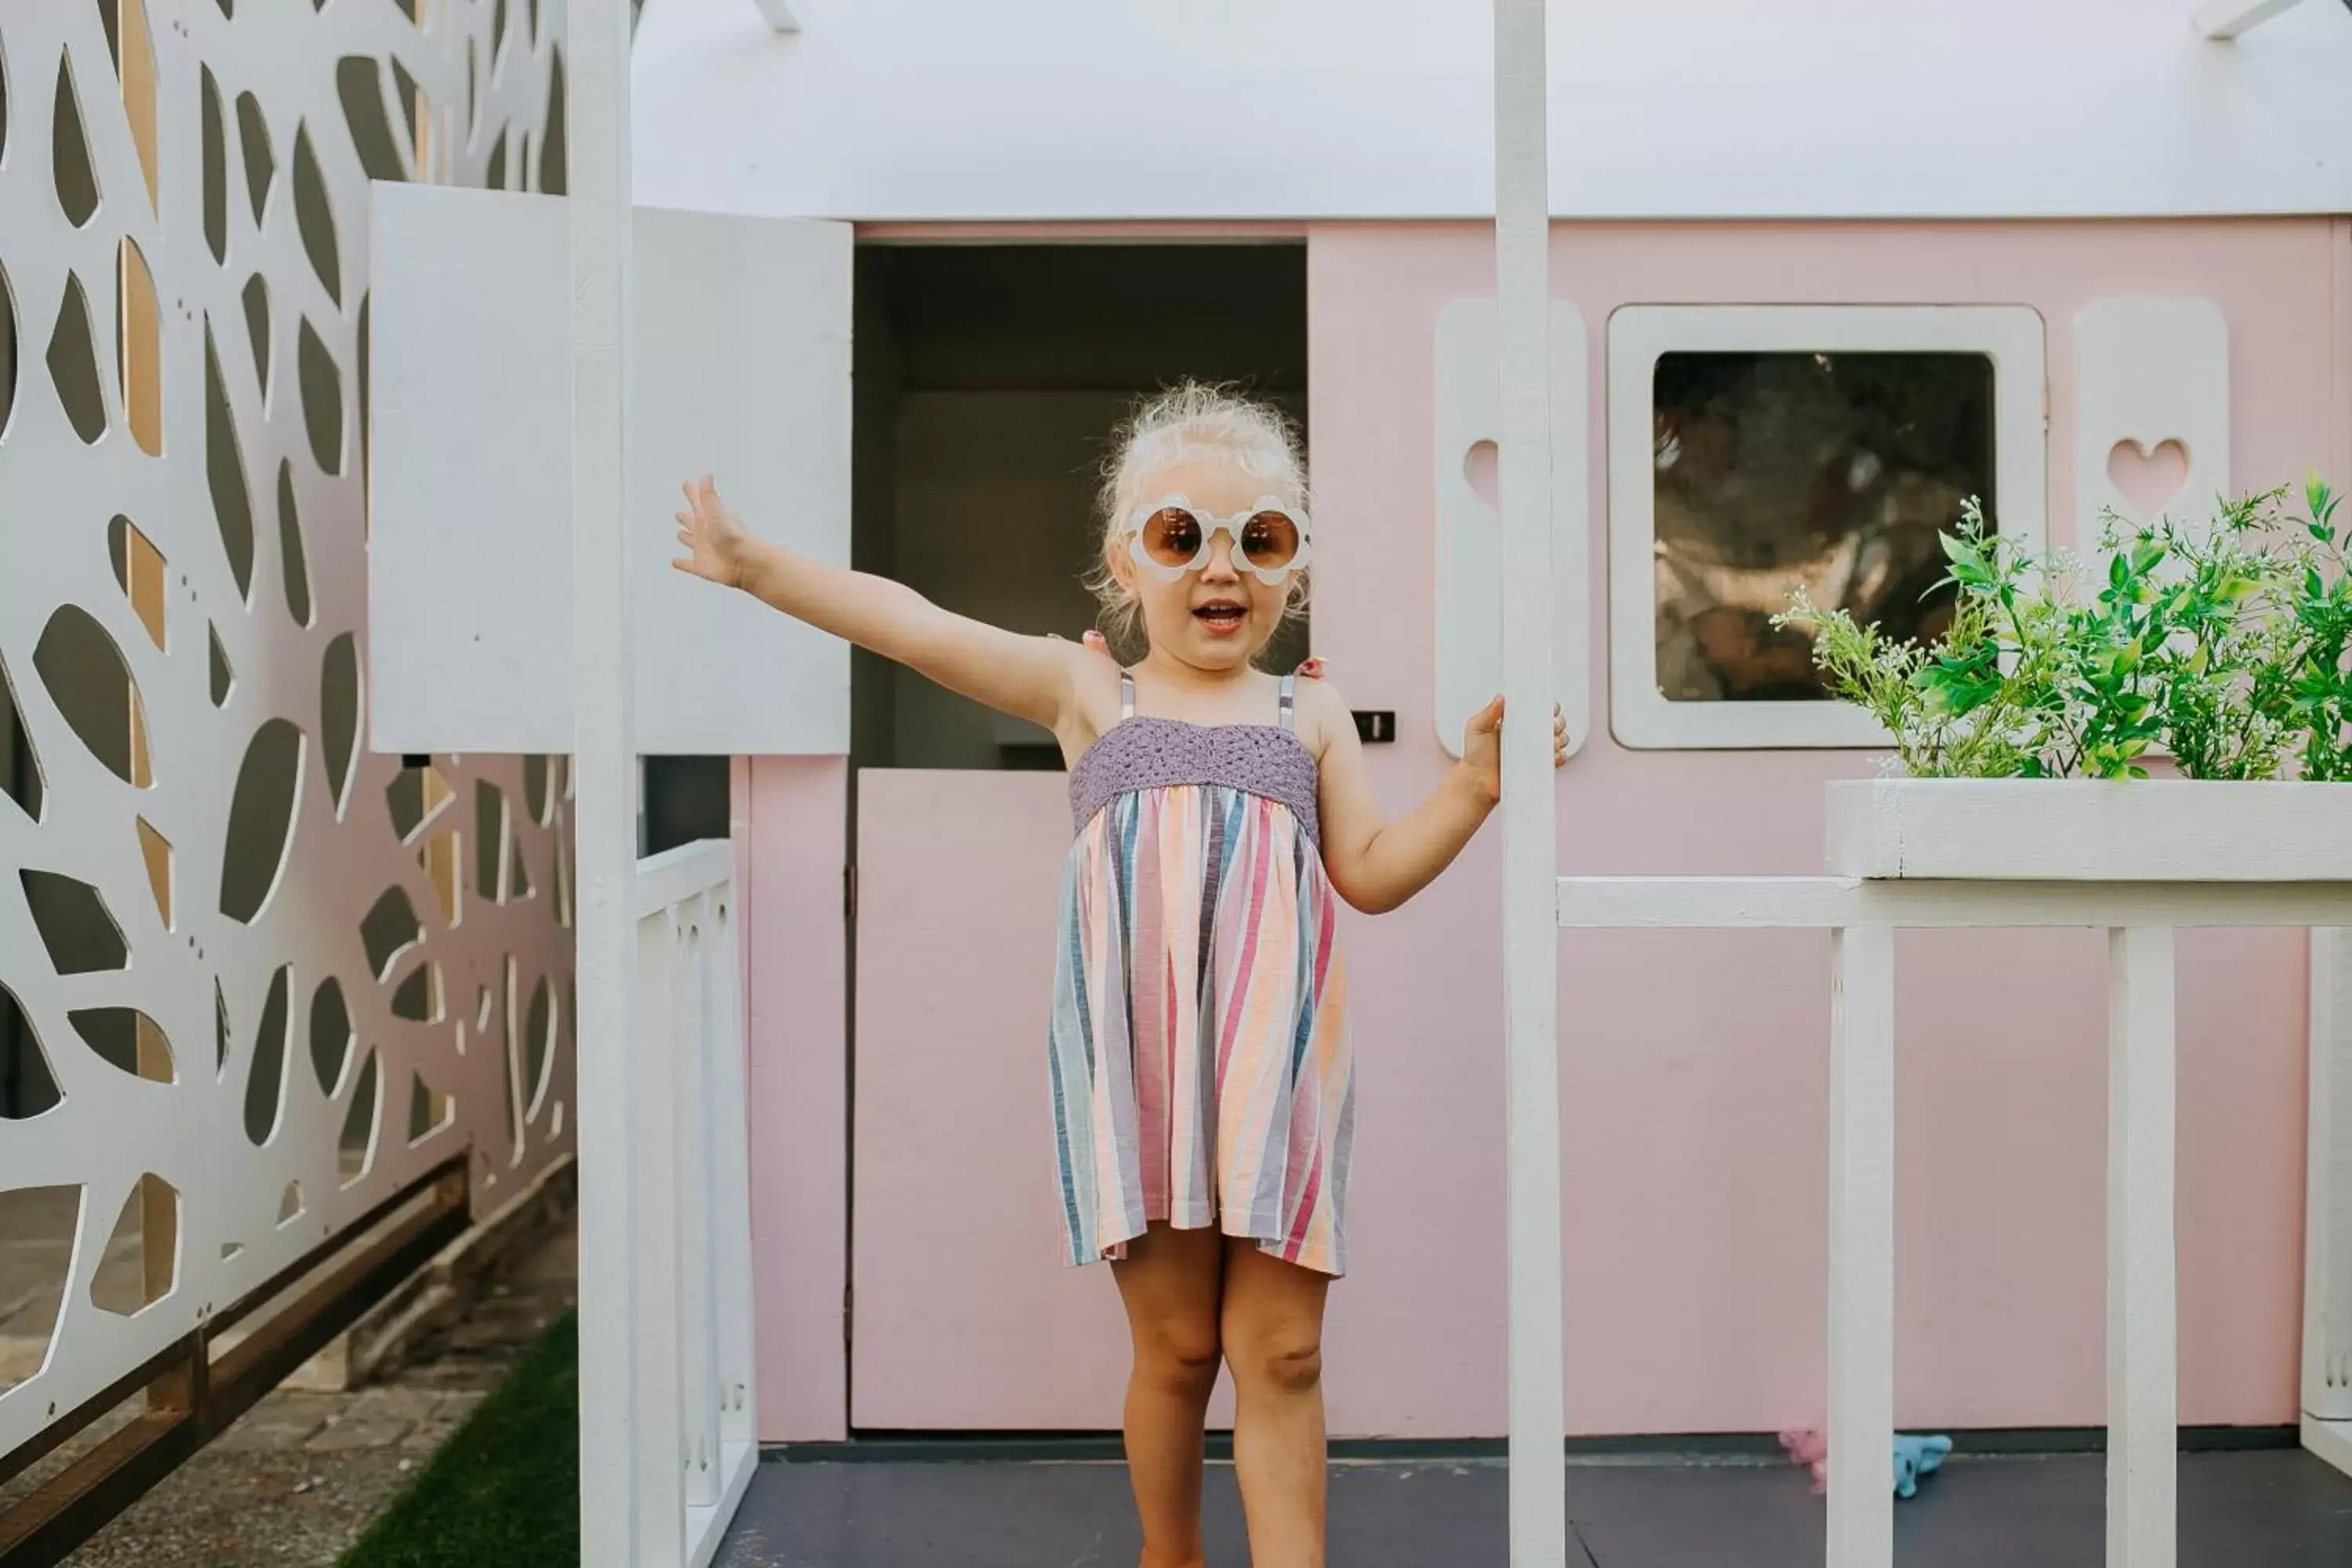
(1215, 618)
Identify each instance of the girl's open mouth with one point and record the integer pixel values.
(1222, 616)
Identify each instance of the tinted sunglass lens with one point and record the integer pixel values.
(1172, 537)
(1270, 539)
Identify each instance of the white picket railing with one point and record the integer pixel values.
(696, 1423)
(2140, 910)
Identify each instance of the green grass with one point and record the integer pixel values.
(504, 1492)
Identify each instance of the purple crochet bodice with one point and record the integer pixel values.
(1141, 753)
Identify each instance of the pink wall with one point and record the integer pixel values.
(1693, 1065)
(791, 820)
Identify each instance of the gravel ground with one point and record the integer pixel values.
(293, 1483)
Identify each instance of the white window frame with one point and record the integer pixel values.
(2012, 336)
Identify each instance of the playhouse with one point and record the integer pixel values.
(1818, 274)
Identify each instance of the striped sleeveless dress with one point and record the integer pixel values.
(1199, 1043)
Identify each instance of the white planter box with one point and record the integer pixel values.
(2145, 830)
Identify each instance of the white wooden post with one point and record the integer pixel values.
(690, 1038)
(2142, 1384)
(1538, 1408)
(610, 1437)
(730, 1143)
(2327, 1205)
(657, 1259)
(1862, 1247)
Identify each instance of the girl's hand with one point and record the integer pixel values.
(1482, 746)
(714, 537)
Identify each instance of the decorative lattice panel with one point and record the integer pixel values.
(252, 978)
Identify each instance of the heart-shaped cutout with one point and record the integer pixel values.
(2148, 481)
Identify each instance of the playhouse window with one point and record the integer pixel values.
(1780, 449)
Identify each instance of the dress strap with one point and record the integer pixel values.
(1126, 695)
(1290, 702)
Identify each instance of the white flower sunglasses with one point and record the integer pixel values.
(1172, 536)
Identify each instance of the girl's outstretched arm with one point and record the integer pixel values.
(1028, 676)
(1373, 863)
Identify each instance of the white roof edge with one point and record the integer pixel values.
(1327, 110)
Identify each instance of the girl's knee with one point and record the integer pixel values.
(1287, 1364)
(1179, 1360)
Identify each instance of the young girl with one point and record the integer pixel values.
(1203, 1091)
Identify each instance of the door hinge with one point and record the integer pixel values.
(849, 892)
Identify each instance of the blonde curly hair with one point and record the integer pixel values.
(1187, 423)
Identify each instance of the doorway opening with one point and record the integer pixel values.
(988, 379)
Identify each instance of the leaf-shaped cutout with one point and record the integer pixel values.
(517, 878)
(491, 836)
(141, 1264)
(332, 1037)
(355, 1149)
(41, 1223)
(359, 85)
(261, 159)
(224, 473)
(27, 1087)
(429, 1111)
(322, 397)
(156, 853)
(339, 716)
(415, 110)
(416, 797)
(538, 787)
(289, 547)
(555, 170)
(220, 1029)
(256, 330)
(138, 348)
(420, 997)
(224, 676)
(71, 166)
(441, 857)
(139, 570)
(496, 178)
(289, 1203)
(86, 677)
(539, 1047)
(389, 929)
(73, 364)
(261, 816)
(135, 63)
(366, 504)
(75, 926)
(213, 138)
(128, 1040)
(314, 216)
(20, 769)
(8, 353)
(264, 1083)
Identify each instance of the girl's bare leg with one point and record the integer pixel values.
(1169, 1282)
(1272, 1333)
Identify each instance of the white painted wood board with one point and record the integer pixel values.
(2327, 1197)
(2143, 1275)
(1377, 109)
(739, 368)
(1526, 484)
(1860, 1501)
(2330, 1441)
(2145, 830)
(1468, 568)
(1640, 714)
(2151, 384)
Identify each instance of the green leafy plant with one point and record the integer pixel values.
(2225, 647)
